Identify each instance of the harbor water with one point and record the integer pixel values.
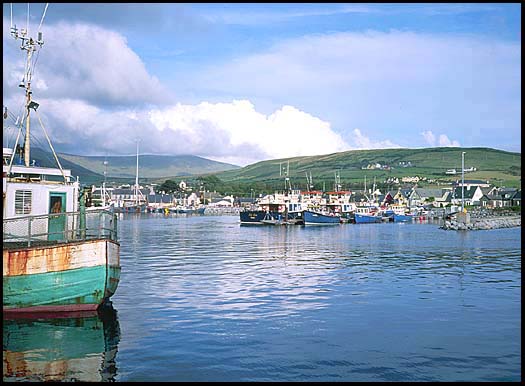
(202, 298)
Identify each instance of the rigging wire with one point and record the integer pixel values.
(43, 15)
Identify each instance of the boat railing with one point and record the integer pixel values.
(53, 228)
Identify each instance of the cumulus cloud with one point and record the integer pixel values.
(443, 139)
(229, 132)
(393, 82)
(83, 61)
(363, 142)
(97, 95)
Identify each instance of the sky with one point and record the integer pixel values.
(242, 83)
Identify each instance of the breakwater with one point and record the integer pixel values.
(483, 223)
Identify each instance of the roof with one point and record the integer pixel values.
(427, 192)
(160, 198)
(486, 189)
(468, 192)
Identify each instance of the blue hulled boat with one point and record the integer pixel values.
(402, 217)
(367, 218)
(364, 215)
(256, 217)
(315, 218)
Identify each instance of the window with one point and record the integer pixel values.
(23, 200)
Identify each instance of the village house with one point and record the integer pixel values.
(471, 195)
(501, 198)
(410, 179)
(423, 196)
(444, 200)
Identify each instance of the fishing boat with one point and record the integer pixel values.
(398, 213)
(270, 220)
(365, 215)
(311, 217)
(56, 255)
(399, 217)
(284, 205)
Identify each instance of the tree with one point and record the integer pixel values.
(170, 186)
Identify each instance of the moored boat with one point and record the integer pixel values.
(398, 217)
(311, 217)
(56, 255)
(364, 215)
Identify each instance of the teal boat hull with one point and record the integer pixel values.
(76, 278)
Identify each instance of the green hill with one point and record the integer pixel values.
(150, 166)
(498, 166)
(122, 169)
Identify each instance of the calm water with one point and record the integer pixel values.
(202, 298)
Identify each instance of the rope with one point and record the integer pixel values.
(51, 146)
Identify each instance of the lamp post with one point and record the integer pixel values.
(462, 181)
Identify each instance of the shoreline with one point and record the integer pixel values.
(483, 223)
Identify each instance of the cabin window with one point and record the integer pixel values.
(23, 200)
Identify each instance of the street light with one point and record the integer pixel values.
(462, 181)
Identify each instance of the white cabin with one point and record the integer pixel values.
(33, 191)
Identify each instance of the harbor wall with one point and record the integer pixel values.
(483, 223)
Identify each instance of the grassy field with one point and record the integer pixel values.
(497, 166)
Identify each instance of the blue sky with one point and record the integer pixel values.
(241, 83)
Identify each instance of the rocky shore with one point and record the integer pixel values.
(483, 223)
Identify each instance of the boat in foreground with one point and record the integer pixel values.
(56, 255)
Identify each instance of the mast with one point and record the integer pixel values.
(137, 177)
(337, 183)
(462, 182)
(104, 184)
(30, 45)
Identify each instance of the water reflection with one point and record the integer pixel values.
(80, 346)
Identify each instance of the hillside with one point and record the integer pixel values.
(498, 166)
(501, 168)
(150, 166)
(46, 159)
(122, 169)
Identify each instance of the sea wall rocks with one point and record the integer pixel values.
(483, 223)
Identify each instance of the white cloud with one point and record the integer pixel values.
(236, 131)
(363, 142)
(82, 61)
(429, 137)
(443, 139)
(394, 82)
(229, 132)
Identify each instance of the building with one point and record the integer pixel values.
(422, 196)
(480, 183)
(471, 195)
(501, 198)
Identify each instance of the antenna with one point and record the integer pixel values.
(30, 45)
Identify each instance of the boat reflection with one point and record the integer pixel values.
(80, 346)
